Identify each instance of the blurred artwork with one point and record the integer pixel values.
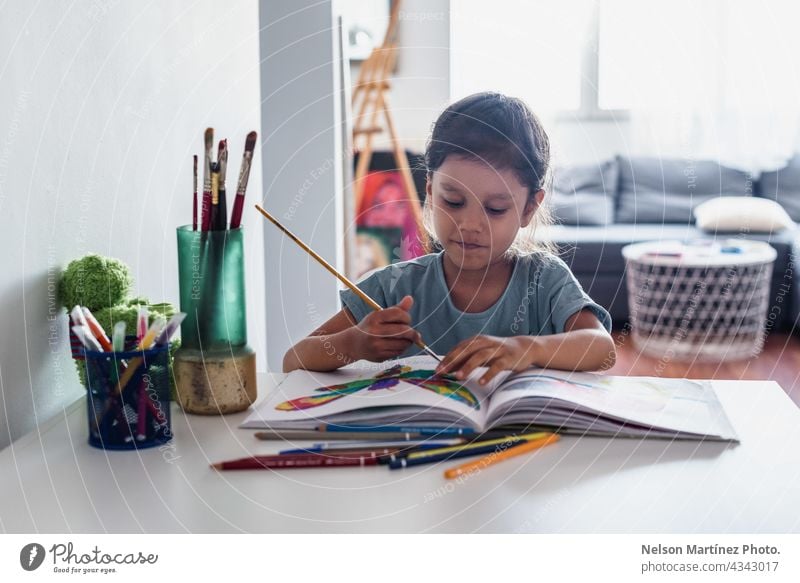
(385, 205)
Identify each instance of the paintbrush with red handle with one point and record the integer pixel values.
(220, 222)
(209, 144)
(194, 199)
(244, 174)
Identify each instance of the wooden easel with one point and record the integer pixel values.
(369, 101)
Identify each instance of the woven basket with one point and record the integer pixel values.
(684, 310)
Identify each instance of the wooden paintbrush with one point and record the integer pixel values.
(214, 195)
(244, 173)
(209, 144)
(194, 199)
(364, 297)
(221, 217)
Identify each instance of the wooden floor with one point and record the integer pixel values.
(779, 361)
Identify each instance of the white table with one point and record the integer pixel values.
(52, 481)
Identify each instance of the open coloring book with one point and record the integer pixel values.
(407, 393)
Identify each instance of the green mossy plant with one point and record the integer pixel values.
(94, 281)
(102, 285)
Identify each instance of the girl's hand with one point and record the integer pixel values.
(384, 334)
(514, 353)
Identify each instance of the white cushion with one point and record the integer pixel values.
(742, 213)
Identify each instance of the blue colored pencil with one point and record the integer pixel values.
(374, 445)
(389, 442)
(394, 429)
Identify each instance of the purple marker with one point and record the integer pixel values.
(170, 329)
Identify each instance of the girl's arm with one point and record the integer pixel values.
(379, 336)
(325, 348)
(584, 346)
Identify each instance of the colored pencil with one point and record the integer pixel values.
(156, 327)
(334, 445)
(496, 457)
(290, 462)
(141, 412)
(78, 317)
(141, 323)
(300, 435)
(480, 444)
(405, 462)
(87, 339)
(366, 299)
(206, 205)
(348, 451)
(170, 329)
(118, 337)
(194, 198)
(382, 450)
(354, 454)
(313, 434)
(332, 428)
(244, 175)
(97, 330)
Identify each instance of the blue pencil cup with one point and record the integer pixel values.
(128, 397)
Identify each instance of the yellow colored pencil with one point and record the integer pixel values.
(134, 363)
(477, 444)
(496, 457)
(367, 300)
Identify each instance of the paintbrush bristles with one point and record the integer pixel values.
(244, 173)
(214, 204)
(222, 160)
(209, 141)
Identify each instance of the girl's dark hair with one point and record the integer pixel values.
(505, 133)
(495, 128)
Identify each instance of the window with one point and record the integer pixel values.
(544, 52)
(532, 50)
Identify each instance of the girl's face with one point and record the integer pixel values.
(477, 210)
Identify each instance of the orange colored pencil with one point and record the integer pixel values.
(496, 457)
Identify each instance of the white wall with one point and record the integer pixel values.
(302, 161)
(102, 105)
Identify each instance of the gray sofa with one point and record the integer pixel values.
(600, 209)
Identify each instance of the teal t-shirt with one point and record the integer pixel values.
(541, 296)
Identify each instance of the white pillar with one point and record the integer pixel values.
(302, 166)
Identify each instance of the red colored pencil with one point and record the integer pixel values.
(206, 210)
(291, 461)
(355, 454)
(194, 199)
(244, 174)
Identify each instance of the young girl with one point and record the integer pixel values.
(491, 297)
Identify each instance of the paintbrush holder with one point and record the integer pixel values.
(128, 409)
(215, 369)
